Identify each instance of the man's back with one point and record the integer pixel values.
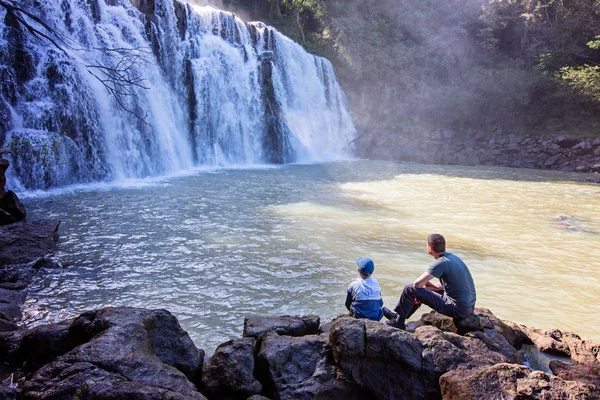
(456, 279)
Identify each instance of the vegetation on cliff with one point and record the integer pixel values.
(416, 66)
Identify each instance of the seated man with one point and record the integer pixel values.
(363, 298)
(455, 297)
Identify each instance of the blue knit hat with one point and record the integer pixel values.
(365, 266)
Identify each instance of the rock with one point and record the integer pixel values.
(255, 325)
(299, 368)
(6, 218)
(16, 276)
(445, 351)
(455, 325)
(83, 380)
(47, 263)
(9, 393)
(583, 147)
(584, 373)
(566, 142)
(382, 360)
(12, 205)
(26, 241)
(10, 302)
(230, 371)
(42, 345)
(3, 167)
(7, 326)
(122, 352)
(566, 344)
(597, 151)
(510, 382)
(551, 161)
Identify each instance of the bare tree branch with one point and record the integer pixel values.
(119, 72)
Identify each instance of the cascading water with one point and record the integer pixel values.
(202, 88)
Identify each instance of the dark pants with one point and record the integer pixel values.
(438, 301)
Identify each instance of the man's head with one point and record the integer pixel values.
(365, 266)
(436, 243)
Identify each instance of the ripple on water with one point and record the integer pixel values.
(214, 247)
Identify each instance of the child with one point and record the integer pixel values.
(364, 294)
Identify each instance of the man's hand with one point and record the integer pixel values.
(422, 280)
(434, 287)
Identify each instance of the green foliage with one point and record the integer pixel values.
(415, 65)
(585, 80)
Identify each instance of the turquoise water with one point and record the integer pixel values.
(215, 245)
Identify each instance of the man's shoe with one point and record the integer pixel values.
(389, 314)
(396, 323)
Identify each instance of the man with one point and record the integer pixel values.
(455, 297)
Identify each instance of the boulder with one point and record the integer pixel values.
(566, 344)
(255, 325)
(446, 351)
(3, 167)
(120, 352)
(455, 325)
(10, 304)
(26, 241)
(12, 205)
(230, 371)
(299, 368)
(584, 373)
(510, 382)
(583, 147)
(384, 361)
(42, 345)
(6, 218)
(9, 393)
(566, 142)
(551, 161)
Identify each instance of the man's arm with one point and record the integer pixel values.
(422, 280)
(436, 287)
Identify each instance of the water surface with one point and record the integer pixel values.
(214, 246)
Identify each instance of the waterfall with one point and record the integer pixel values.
(204, 88)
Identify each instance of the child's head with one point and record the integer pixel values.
(365, 267)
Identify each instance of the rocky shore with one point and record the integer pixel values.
(129, 353)
(449, 147)
(25, 247)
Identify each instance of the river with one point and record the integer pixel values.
(212, 246)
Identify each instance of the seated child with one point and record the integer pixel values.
(364, 294)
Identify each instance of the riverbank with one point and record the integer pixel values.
(126, 352)
(447, 147)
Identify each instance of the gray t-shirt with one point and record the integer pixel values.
(456, 279)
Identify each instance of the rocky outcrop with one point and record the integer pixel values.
(301, 368)
(118, 353)
(25, 247)
(561, 152)
(26, 241)
(256, 325)
(11, 208)
(109, 354)
(230, 371)
(511, 382)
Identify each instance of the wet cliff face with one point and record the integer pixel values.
(148, 87)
